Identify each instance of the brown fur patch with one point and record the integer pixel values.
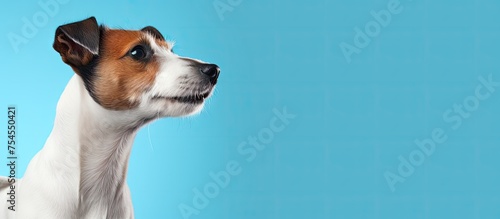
(120, 80)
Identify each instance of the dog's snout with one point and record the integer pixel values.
(211, 70)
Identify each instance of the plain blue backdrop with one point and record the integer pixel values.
(354, 120)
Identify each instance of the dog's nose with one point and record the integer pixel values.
(211, 70)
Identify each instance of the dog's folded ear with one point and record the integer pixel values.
(153, 31)
(78, 42)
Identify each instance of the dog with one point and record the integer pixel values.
(124, 79)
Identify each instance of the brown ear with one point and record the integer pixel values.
(78, 42)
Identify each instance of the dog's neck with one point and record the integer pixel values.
(100, 142)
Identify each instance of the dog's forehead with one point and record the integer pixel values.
(116, 42)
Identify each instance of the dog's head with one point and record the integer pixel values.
(135, 70)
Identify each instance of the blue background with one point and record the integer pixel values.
(353, 119)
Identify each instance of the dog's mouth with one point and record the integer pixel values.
(189, 99)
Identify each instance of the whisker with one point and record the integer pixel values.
(150, 142)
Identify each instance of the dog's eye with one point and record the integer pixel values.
(138, 52)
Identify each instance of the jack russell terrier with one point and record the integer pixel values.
(124, 79)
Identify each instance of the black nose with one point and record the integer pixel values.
(210, 70)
